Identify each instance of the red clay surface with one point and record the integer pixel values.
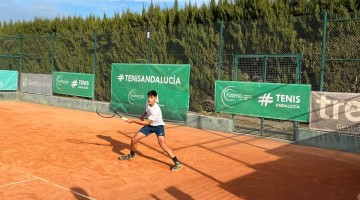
(56, 153)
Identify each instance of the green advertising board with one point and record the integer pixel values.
(8, 80)
(269, 100)
(76, 84)
(131, 82)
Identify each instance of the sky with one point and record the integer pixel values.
(27, 10)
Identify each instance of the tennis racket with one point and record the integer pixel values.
(108, 112)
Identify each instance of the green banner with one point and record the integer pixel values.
(131, 82)
(269, 100)
(77, 84)
(8, 80)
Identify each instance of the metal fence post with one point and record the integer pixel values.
(298, 69)
(94, 64)
(21, 53)
(235, 68)
(297, 81)
(52, 52)
(220, 49)
(262, 120)
(323, 51)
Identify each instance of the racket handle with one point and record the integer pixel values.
(124, 118)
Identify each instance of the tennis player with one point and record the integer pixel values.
(153, 124)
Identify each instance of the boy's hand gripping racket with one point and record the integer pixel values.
(108, 112)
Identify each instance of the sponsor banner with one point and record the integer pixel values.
(269, 100)
(36, 83)
(131, 82)
(77, 84)
(8, 80)
(332, 111)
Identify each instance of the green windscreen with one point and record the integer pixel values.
(131, 82)
(77, 84)
(270, 100)
(8, 80)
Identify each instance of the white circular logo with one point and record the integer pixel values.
(229, 95)
(132, 96)
(60, 81)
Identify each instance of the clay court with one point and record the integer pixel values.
(56, 153)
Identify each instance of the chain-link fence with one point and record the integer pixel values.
(36, 54)
(246, 39)
(328, 61)
(194, 44)
(10, 52)
(342, 54)
(270, 68)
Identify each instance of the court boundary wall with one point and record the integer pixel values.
(327, 140)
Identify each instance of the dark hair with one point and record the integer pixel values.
(152, 93)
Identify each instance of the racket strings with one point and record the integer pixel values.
(105, 111)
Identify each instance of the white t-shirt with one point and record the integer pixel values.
(154, 114)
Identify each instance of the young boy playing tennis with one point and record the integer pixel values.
(154, 124)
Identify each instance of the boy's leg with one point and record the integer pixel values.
(133, 145)
(162, 143)
(138, 136)
(178, 165)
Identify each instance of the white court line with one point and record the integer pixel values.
(18, 182)
(35, 177)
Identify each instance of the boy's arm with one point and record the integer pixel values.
(140, 121)
(143, 116)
